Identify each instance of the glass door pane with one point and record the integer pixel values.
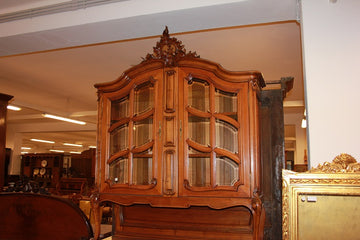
(142, 171)
(226, 103)
(119, 109)
(199, 168)
(118, 170)
(199, 95)
(143, 132)
(199, 130)
(226, 136)
(199, 171)
(119, 139)
(144, 98)
(227, 171)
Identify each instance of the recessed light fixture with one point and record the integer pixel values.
(40, 140)
(25, 148)
(55, 150)
(92, 146)
(24, 152)
(63, 119)
(72, 144)
(14, 108)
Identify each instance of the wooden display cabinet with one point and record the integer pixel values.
(44, 168)
(178, 149)
(61, 173)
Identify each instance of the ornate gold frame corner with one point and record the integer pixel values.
(339, 178)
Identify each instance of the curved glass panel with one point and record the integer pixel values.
(227, 171)
(143, 132)
(142, 168)
(226, 103)
(144, 98)
(119, 109)
(118, 170)
(199, 130)
(226, 136)
(199, 95)
(119, 139)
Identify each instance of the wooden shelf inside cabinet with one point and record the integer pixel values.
(179, 131)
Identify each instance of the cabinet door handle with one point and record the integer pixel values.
(159, 128)
(180, 129)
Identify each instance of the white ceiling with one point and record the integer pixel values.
(50, 65)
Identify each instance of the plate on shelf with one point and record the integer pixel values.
(42, 171)
(35, 171)
(43, 163)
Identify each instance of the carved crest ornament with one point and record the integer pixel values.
(170, 50)
(343, 163)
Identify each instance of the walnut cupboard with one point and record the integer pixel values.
(178, 149)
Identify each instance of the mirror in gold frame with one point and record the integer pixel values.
(324, 202)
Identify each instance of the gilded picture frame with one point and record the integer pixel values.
(322, 203)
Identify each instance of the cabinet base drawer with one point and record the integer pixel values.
(146, 222)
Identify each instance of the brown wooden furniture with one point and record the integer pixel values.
(26, 216)
(83, 165)
(68, 186)
(4, 99)
(44, 168)
(178, 149)
(300, 167)
(60, 173)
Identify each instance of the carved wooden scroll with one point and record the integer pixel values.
(170, 50)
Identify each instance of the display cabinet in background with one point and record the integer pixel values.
(178, 149)
(45, 169)
(61, 173)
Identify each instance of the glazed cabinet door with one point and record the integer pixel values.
(215, 160)
(132, 121)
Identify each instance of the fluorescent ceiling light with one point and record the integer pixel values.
(75, 152)
(54, 150)
(63, 119)
(72, 144)
(40, 140)
(14, 108)
(25, 148)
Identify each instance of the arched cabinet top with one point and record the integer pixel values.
(170, 53)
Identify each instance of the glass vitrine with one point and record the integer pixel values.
(177, 131)
(131, 137)
(213, 138)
